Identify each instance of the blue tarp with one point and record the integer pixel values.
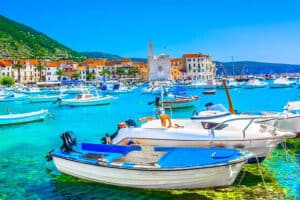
(194, 157)
(177, 90)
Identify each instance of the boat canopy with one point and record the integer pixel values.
(217, 107)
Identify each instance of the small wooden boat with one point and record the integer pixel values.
(209, 92)
(23, 117)
(180, 102)
(149, 167)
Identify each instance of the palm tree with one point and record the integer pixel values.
(40, 66)
(59, 73)
(18, 65)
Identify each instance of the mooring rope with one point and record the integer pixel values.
(289, 158)
(262, 177)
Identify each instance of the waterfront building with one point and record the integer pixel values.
(6, 67)
(142, 70)
(176, 67)
(198, 67)
(51, 68)
(159, 67)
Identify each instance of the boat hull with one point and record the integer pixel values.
(93, 102)
(209, 177)
(41, 99)
(259, 148)
(180, 103)
(17, 98)
(23, 118)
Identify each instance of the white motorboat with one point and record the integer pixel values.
(13, 97)
(281, 83)
(44, 98)
(23, 117)
(149, 167)
(210, 130)
(86, 99)
(255, 83)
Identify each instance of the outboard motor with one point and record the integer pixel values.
(68, 142)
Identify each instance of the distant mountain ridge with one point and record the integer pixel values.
(20, 41)
(100, 55)
(252, 67)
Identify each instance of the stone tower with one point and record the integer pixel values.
(159, 67)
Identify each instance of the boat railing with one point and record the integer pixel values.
(251, 119)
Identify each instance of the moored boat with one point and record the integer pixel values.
(86, 100)
(23, 117)
(255, 83)
(149, 167)
(281, 83)
(44, 98)
(13, 97)
(209, 92)
(175, 101)
(225, 131)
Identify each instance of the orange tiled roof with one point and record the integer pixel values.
(33, 62)
(99, 62)
(126, 60)
(6, 62)
(176, 60)
(194, 55)
(109, 63)
(138, 64)
(52, 64)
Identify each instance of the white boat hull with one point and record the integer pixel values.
(209, 177)
(23, 118)
(16, 98)
(40, 99)
(86, 102)
(258, 147)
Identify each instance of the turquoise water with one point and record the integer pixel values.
(25, 174)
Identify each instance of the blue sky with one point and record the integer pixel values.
(255, 30)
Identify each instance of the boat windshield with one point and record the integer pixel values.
(217, 107)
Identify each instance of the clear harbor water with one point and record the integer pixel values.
(25, 174)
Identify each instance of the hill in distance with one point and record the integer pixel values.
(252, 67)
(20, 41)
(100, 55)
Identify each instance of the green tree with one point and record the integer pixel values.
(76, 76)
(133, 70)
(7, 80)
(18, 65)
(59, 73)
(90, 76)
(104, 73)
(40, 66)
(120, 71)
